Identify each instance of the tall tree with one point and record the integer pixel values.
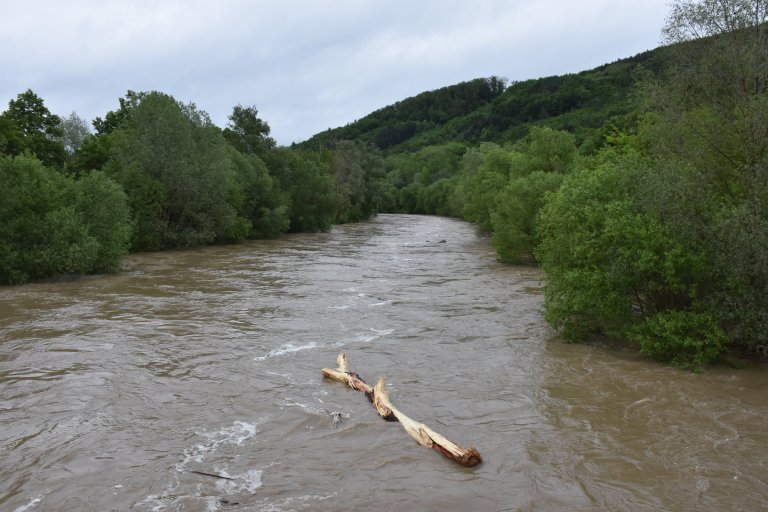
(118, 118)
(248, 133)
(176, 170)
(39, 127)
(713, 123)
(307, 180)
(74, 131)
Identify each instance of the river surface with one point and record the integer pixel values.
(115, 389)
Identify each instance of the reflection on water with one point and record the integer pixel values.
(129, 391)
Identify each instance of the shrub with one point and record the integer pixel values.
(689, 339)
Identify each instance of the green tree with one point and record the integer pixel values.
(11, 137)
(538, 163)
(351, 194)
(309, 184)
(39, 128)
(74, 130)
(613, 268)
(257, 196)
(93, 154)
(103, 207)
(358, 171)
(118, 118)
(175, 167)
(513, 219)
(547, 150)
(248, 133)
(486, 172)
(52, 225)
(710, 126)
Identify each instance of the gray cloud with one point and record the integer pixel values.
(306, 65)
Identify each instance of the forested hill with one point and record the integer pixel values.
(486, 110)
(396, 124)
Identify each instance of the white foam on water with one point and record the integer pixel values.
(287, 402)
(238, 433)
(289, 348)
(373, 334)
(32, 503)
(248, 482)
(157, 503)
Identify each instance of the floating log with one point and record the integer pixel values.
(423, 435)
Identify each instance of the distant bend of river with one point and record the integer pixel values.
(115, 389)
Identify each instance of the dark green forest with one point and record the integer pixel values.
(639, 187)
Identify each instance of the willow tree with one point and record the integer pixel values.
(175, 167)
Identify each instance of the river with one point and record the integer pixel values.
(115, 389)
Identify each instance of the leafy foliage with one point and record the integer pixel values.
(357, 171)
(486, 110)
(608, 262)
(257, 196)
(689, 339)
(392, 126)
(74, 131)
(52, 225)
(248, 133)
(174, 166)
(308, 181)
(28, 125)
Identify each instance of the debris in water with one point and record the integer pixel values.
(421, 433)
(211, 474)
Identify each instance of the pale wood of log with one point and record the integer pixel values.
(424, 435)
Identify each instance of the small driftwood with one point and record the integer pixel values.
(214, 475)
(421, 433)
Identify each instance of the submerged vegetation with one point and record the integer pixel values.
(640, 187)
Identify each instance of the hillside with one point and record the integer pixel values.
(396, 124)
(484, 110)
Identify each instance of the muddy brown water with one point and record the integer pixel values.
(115, 389)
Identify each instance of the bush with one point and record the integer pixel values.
(688, 339)
(513, 220)
(606, 262)
(104, 209)
(52, 225)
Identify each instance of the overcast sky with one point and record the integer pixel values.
(306, 65)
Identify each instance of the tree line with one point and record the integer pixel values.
(158, 174)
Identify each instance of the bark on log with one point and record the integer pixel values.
(353, 380)
(423, 435)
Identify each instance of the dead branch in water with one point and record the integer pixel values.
(214, 475)
(421, 433)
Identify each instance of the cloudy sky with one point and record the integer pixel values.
(307, 65)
